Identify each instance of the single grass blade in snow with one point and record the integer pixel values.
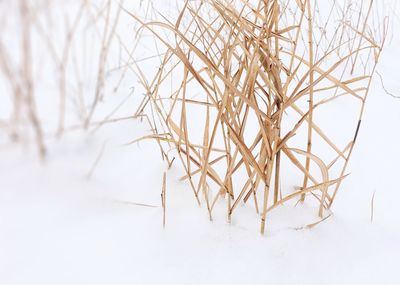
(249, 82)
(163, 196)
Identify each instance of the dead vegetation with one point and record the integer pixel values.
(242, 94)
(51, 58)
(239, 89)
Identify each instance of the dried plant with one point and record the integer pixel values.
(65, 43)
(249, 82)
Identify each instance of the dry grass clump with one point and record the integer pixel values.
(241, 89)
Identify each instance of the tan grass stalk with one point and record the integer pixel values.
(163, 196)
(27, 76)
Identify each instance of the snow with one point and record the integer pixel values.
(59, 226)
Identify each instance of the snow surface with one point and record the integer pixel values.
(57, 226)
